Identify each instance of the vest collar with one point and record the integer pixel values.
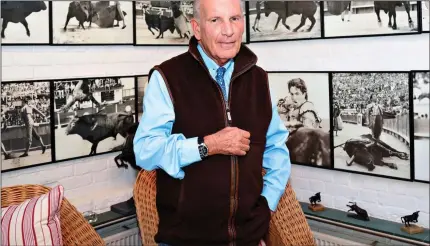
(243, 61)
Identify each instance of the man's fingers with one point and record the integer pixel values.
(245, 141)
(246, 134)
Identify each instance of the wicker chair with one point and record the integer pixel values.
(75, 228)
(288, 225)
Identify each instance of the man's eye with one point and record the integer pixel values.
(213, 20)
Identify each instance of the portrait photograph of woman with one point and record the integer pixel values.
(304, 107)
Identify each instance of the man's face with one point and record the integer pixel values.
(220, 28)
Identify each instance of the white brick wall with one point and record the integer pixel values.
(95, 183)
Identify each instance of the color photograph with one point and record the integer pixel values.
(25, 22)
(304, 106)
(371, 130)
(25, 124)
(364, 18)
(166, 22)
(284, 20)
(421, 99)
(92, 115)
(425, 6)
(91, 22)
(142, 82)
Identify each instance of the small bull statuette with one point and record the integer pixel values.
(361, 214)
(313, 203)
(411, 229)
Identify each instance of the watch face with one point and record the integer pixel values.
(203, 150)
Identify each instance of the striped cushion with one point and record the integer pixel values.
(34, 221)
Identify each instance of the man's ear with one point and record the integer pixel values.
(196, 28)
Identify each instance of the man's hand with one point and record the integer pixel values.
(228, 141)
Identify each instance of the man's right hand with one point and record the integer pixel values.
(228, 141)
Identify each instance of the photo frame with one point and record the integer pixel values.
(27, 23)
(148, 33)
(26, 132)
(425, 16)
(271, 21)
(93, 114)
(108, 25)
(374, 133)
(347, 19)
(142, 82)
(303, 101)
(419, 83)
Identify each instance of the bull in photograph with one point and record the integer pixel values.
(389, 7)
(97, 127)
(18, 11)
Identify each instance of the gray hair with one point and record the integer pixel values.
(196, 8)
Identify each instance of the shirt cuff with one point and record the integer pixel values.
(272, 197)
(189, 151)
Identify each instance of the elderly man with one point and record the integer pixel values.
(209, 128)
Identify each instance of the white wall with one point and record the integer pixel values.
(95, 183)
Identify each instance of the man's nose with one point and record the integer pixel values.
(227, 29)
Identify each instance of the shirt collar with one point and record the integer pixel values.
(211, 64)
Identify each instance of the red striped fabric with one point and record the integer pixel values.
(35, 221)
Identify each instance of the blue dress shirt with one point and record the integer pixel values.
(155, 146)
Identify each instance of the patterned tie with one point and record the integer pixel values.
(220, 80)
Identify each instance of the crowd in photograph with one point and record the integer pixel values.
(11, 102)
(354, 91)
(64, 88)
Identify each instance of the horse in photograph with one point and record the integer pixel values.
(106, 16)
(339, 8)
(18, 11)
(285, 9)
(83, 11)
(390, 8)
(99, 126)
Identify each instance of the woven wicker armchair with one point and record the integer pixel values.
(288, 225)
(75, 228)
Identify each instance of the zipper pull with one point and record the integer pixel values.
(228, 115)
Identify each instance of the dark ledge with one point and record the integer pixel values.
(382, 226)
(109, 218)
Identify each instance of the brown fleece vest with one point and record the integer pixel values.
(218, 201)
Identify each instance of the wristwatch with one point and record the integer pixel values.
(203, 149)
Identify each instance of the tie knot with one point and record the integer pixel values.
(220, 71)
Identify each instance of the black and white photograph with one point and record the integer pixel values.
(25, 22)
(92, 115)
(371, 130)
(142, 82)
(369, 18)
(425, 6)
(175, 17)
(25, 124)
(303, 102)
(92, 22)
(421, 99)
(284, 20)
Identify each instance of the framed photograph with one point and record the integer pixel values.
(166, 22)
(369, 18)
(25, 22)
(303, 101)
(421, 113)
(142, 82)
(371, 123)
(25, 124)
(284, 20)
(92, 115)
(425, 19)
(92, 23)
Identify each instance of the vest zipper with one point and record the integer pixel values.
(234, 167)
